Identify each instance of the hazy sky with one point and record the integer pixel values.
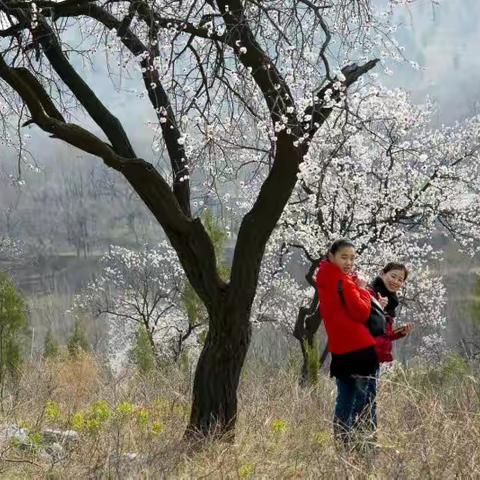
(445, 41)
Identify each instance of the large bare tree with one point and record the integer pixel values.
(229, 53)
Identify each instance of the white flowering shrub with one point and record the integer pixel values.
(142, 288)
(9, 248)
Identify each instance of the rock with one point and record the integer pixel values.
(55, 451)
(15, 434)
(62, 437)
(53, 444)
(130, 456)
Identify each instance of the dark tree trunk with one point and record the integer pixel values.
(214, 403)
(307, 325)
(308, 322)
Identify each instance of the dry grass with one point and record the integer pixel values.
(429, 426)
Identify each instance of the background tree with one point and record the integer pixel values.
(13, 327)
(50, 345)
(142, 354)
(77, 203)
(78, 341)
(384, 177)
(9, 210)
(143, 289)
(63, 196)
(470, 331)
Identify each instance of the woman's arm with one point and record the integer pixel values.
(401, 331)
(396, 334)
(357, 300)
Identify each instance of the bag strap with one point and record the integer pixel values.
(340, 293)
(342, 296)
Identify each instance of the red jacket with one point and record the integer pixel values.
(384, 343)
(346, 327)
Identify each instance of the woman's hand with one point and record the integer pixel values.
(404, 330)
(407, 328)
(383, 301)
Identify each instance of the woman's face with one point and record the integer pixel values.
(344, 258)
(393, 280)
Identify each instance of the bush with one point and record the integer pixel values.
(142, 354)
(78, 341)
(13, 327)
(50, 345)
(447, 377)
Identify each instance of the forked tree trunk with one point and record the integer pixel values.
(306, 327)
(308, 322)
(214, 403)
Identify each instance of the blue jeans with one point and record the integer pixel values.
(355, 408)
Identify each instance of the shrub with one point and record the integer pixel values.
(78, 340)
(13, 328)
(142, 354)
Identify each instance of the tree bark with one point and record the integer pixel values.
(307, 325)
(214, 403)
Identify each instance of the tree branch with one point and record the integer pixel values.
(263, 70)
(318, 113)
(110, 125)
(258, 224)
(156, 92)
(71, 8)
(188, 237)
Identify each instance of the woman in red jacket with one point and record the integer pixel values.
(354, 359)
(385, 288)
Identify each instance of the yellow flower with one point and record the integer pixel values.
(78, 421)
(125, 408)
(157, 428)
(52, 410)
(100, 411)
(142, 417)
(35, 440)
(93, 425)
(321, 438)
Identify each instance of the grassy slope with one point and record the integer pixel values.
(429, 426)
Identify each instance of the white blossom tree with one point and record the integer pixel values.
(9, 249)
(145, 289)
(385, 177)
(235, 87)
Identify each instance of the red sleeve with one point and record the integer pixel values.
(390, 331)
(396, 336)
(358, 301)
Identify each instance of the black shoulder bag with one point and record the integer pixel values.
(376, 322)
